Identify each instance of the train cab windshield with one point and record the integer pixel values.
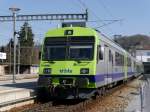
(54, 53)
(71, 48)
(81, 52)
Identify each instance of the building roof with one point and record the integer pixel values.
(145, 47)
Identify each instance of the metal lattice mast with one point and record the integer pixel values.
(38, 17)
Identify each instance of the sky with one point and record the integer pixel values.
(134, 14)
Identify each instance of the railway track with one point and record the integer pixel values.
(16, 103)
(84, 105)
(73, 106)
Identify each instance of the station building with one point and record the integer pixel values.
(143, 54)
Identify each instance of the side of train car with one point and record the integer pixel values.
(76, 62)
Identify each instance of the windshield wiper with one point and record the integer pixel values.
(51, 61)
(78, 61)
(81, 60)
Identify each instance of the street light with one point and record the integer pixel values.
(14, 10)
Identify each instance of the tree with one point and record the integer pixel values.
(11, 42)
(134, 41)
(26, 38)
(2, 48)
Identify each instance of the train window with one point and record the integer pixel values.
(80, 52)
(119, 59)
(101, 53)
(110, 56)
(54, 53)
(122, 60)
(129, 61)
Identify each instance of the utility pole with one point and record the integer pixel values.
(142, 96)
(10, 56)
(14, 10)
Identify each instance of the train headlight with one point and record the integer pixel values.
(84, 71)
(47, 70)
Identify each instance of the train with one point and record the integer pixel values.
(80, 62)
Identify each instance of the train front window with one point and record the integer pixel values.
(68, 48)
(81, 52)
(54, 53)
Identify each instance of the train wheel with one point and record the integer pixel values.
(43, 94)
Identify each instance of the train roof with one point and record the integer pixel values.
(87, 31)
(111, 42)
(116, 45)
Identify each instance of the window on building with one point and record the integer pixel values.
(148, 59)
(148, 53)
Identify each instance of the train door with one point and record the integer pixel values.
(100, 67)
(125, 66)
(132, 65)
(109, 64)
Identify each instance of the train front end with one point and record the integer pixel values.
(68, 63)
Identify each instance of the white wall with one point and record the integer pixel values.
(34, 69)
(143, 55)
(2, 70)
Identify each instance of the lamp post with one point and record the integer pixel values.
(14, 10)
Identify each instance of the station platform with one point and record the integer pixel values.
(12, 92)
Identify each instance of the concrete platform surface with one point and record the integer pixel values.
(14, 91)
(141, 101)
(18, 76)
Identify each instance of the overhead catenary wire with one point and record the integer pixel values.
(111, 22)
(99, 20)
(105, 8)
(108, 20)
(87, 8)
(109, 13)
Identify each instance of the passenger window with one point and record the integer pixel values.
(119, 59)
(129, 61)
(110, 57)
(101, 57)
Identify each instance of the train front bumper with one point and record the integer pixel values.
(66, 88)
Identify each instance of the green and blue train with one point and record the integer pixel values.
(76, 62)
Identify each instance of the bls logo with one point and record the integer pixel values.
(65, 71)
